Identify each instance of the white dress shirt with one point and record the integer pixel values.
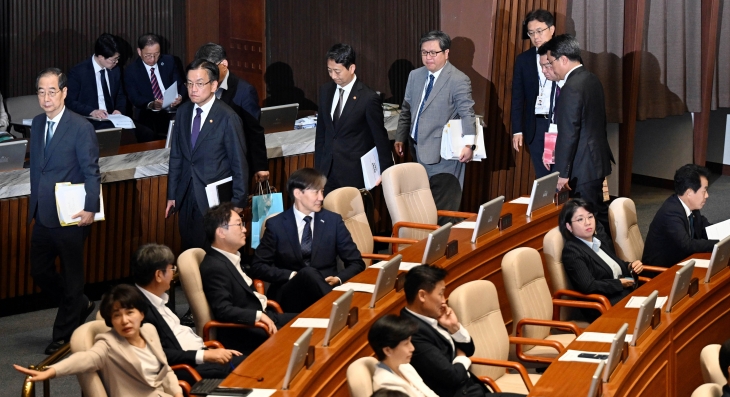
(206, 109)
(149, 363)
(595, 245)
(222, 86)
(99, 90)
(157, 74)
(55, 120)
(345, 95)
(461, 336)
(236, 261)
(299, 217)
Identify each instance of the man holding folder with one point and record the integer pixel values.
(63, 148)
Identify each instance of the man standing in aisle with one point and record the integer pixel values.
(436, 93)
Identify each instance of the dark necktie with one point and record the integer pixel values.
(155, 84)
(196, 128)
(691, 225)
(423, 103)
(105, 90)
(49, 134)
(307, 240)
(338, 108)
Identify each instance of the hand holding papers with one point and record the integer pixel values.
(220, 191)
(370, 168)
(169, 96)
(70, 201)
(452, 141)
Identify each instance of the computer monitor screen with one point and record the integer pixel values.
(646, 311)
(488, 218)
(386, 279)
(338, 316)
(614, 356)
(543, 192)
(719, 259)
(298, 355)
(436, 244)
(680, 285)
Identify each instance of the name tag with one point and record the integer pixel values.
(542, 104)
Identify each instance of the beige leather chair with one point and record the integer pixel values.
(625, 229)
(710, 365)
(360, 376)
(533, 306)
(708, 390)
(347, 202)
(410, 203)
(477, 307)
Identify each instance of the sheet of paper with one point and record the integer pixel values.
(211, 191)
(358, 287)
(404, 266)
(70, 201)
(28, 122)
(305, 322)
(705, 263)
(572, 355)
(370, 168)
(465, 225)
(121, 121)
(636, 301)
(169, 96)
(718, 231)
(254, 393)
(521, 200)
(600, 337)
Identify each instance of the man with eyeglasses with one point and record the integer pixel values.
(146, 80)
(153, 269)
(435, 94)
(207, 146)
(229, 289)
(533, 92)
(63, 148)
(299, 250)
(582, 154)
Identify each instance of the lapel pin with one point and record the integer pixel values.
(210, 121)
(354, 98)
(321, 220)
(162, 63)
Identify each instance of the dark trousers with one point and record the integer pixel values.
(592, 192)
(67, 287)
(210, 370)
(297, 294)
(246, 340)
(190, 222)
(537, 147)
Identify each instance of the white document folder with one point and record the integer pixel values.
(718, 231)
(452, 141)
(370, 168)
(211, 191)
(70, 201)
(169, 96)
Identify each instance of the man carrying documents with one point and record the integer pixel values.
(64, 149)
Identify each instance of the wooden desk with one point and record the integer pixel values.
(327, 376)
(665, 362)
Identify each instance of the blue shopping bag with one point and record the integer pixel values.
(264, 204)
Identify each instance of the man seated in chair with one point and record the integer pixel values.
(152, 268)
(299, 249)
(725, 366)
(228, 289)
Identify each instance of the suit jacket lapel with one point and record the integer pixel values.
(318, 234)
(58, 133)
(162, 327)
(126, 351)
(291, 227)
(208, 125)
(439, 84)
(330, 96)
(154, 345)
(351, 103)
(427, 328)
(163, 69)
(232, 269)
(594, 255)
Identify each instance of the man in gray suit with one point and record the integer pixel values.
(436, 93)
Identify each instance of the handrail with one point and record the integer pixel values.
(29, 386)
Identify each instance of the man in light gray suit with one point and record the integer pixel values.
(436, 93)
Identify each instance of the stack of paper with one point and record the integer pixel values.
(548, 155)
(169, 96)
(370, 168)
(306, 122)
(718, 231)
(211, 191)
(70, 201)
(122, 121)
(636, 301)
(452, 141)
(404, 266)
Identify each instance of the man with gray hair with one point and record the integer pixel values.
(241, 97)
(436, 93)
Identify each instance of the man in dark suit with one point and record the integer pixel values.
(678, 228)
(152, 268)
(442, 345)
(298, 252)
(207, 146)
(241, 97)
(146, 80)
(582, 154)
(350, 123)
(228, 288)
(63, 148)
(436, 93)
(532, 92)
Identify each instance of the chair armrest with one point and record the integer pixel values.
(213, 344)
(520, 340)
(455, 214)
(191, 371)
(564, 325)
(571, 303)
(394, 241)
(382, 257)
(259, 286)
(644, 280)
(274, 305)
(412, 225)
(506, 364)
(656, 269)
(575, 294)
(185, 386)
(218, 324)
(491, 383)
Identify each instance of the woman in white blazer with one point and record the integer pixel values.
(129, 356)
(390, 338)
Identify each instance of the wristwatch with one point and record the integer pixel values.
(472, 147)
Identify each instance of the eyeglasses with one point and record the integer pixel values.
(190, 84)
(113, 60)
(582, 220)
(174, 268)
(548, 65)
(51, 93)
(430, 53)
(235, 224)
(539, 32)
(151, 56)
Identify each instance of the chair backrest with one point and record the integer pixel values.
(710, 365)
(527, 290)
(347, 202)
(23, 107)
(552, 249)
(408, 196)
(625, 229)
(188, 264)
(708, 390)
(477, 307)
(81, 340)
(360, 376)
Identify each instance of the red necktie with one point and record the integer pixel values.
(155, 85)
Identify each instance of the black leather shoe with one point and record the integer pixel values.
(188, 320)
(54, 346)
(85, 313)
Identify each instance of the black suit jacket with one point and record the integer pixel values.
(432, 359)
(82, 97)
(668, 241)
(337, 149)
(525, 88)
(582, 153)
(73, 156)
(170, 345)
(218, 154)
(138, 85)
(280, 252)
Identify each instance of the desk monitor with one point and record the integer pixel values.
(543, 192)
(168, 141)
(386, 279)
(109, 139)
(488, 218)
(298, 355)
(279, 118)
(681, 284)
(436, 244)
(595, 390)
(614, 356)
(719, 259)
(12, 155)
(338, 316)
(646, 311)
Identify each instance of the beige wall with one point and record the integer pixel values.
(662, 145)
